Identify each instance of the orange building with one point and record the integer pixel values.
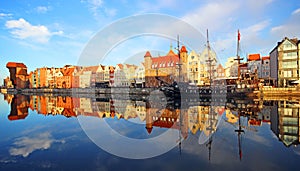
(19, 108)
(7, 83)
(65, 81)
(18, 74)
(76, 77)
(220, 71)
(165, 67)
(167, 119)
(30, 78)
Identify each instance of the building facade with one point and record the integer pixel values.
(254, 64)
(284, 62)
(18, 75)
(231, 67)
(140, 75)
(265, 67)
(165, 69)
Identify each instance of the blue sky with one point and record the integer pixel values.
(54, 33)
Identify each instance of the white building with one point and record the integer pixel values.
(140, 75)
(231, 67)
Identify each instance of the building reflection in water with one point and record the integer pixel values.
(285, 121)
(283, 116)
(193, 119)
(19, 106)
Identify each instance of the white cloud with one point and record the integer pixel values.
(42, 9)
(5, 15)
(156, 6)
(111, 12)
(290, 28)
(224, 17)
(24, 30)
(26, 145)
(215, 15)
(94, 5)
(98, 9)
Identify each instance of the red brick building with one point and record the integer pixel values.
(18, 74)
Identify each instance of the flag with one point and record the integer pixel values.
(239, 35)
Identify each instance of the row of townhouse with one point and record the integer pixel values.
(123, 75)
(194, 69)
(51, 77)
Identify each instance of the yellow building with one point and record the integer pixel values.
(284, 62)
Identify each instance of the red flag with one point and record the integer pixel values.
(239, 35)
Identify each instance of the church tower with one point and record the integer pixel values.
(148, 61)
(184, 61)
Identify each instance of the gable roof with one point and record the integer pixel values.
(253, 57)
(294, 41)
(147, 54)
(15, 64)
(183, 49)
(120, 66)
(265, 58)
(171, 53)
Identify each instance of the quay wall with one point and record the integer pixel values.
(290, 91)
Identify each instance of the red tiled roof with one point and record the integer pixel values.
(16, 117)
(220, 66)
(295, 40)
(15, 64)
(120, 66)
(183, 49)
(149, 130)
(91, 68)
(171, 53)
(221, 110)
(165, 124)
(147, 54)
(67, 71)
(265, 58)
(254, 122)
(165, 60)
(253, 57)
(244, 65)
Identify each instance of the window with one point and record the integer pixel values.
(289, 64)
(287, 46)
(290, 55)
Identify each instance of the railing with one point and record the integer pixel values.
(280, 89)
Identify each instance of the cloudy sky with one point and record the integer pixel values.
(54, 33)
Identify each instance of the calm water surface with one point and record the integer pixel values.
(45, 133)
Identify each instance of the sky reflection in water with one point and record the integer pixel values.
(43, 141)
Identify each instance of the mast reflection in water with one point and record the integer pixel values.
(242, 134)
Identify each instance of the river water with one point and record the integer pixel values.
(115, 133)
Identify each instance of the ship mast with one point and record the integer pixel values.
(239, 132)
(238, 58)
(209, 61)
(179, 63)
